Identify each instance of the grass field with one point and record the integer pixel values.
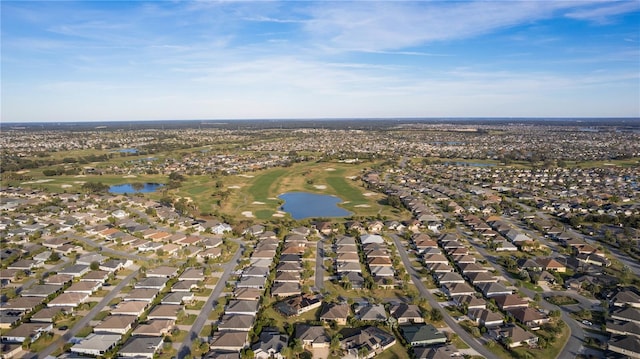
(248, 195)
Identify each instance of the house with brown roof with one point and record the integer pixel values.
(129, 308)
(406, 313)
(229, 340)
(333, 312)
(457, 289)
(551, 264)
(529, 317)
(116, 324)
(155, 328)
(510, 301)
(68, 300)
(518, 336)
(485, 317)
(165, 311)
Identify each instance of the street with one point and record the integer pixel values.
(84, 321)
(197, 326)
(463, 334)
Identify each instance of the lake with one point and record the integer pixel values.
(301, 205)
(128, 188)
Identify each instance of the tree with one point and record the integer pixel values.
(335, 344)
(436, 315)
(54, 257)
(94, 265)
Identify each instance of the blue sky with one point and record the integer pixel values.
(117, 60)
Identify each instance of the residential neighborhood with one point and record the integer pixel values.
(460, 242)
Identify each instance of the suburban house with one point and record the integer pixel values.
(369, 340)
(96, 344)
(335, 312)
(517, 335)
(418, 335)
(312, 336)
(270, 345)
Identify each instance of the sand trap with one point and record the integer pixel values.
(38, 181)
(79, 176)
(257, 202)
(129, 176)
(362, 205)
(368, 194)
(79, 182)
(351, 177)
(278, 215)
(248, 214)
(66, 186)
(330, 169)
(273, 198)
(320, 186)
(246, 176)
(233, 187)
(23, 172)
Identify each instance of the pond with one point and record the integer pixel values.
(129, 150)
(301, 205)
(135, 188)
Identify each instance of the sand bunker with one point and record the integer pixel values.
(278, 215)
(320, 186)
(257, 202)
(79, 182)
(248, 214)
(38, 181)
(129, 176)
(66, 186)
(368, 194)
(351, 177)
(246, 176)
(79, 176)
(362, 205)
(330, 169)
(233, 187)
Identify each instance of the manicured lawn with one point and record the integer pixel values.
(397, 351)
(43, 342)
(261, 188)
(551, 352)
(345, 190)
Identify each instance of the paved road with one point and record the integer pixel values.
(319, 281)
(84, 321)
(574, 345)
(29, 282)
(106, 249)
(463, 334)
(196, 328)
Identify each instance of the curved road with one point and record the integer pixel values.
(196, 328)
(463, 334)
(574, 345)
(84, 321)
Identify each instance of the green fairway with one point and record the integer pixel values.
(263, 186)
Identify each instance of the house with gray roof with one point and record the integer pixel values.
(270, 345)
(372, 312)
(96, 344)
(152, 283)
(312, 336)
(237, 322)
(229, 340)
(141, 347)
(238, 306)
(26, 331)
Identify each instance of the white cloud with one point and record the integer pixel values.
(602, 13)
(375, 26)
